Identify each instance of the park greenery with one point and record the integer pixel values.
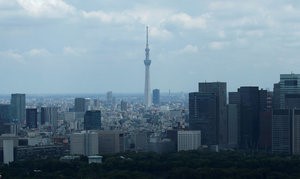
(185, 164)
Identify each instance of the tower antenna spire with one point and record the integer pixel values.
(147, 39)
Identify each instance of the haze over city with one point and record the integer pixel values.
(96, 46)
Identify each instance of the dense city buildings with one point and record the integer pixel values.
(251, 120)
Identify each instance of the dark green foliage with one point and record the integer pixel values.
(191, 164)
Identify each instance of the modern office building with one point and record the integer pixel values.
(289, 84)
(31, 118)
(18, 104)
(220, 90)
(5, 113)
(249, 117)
(92, 120)
(189, 140)
(203, 116)
(156, 97)
(282, 131)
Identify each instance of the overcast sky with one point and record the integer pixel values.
(94, 46)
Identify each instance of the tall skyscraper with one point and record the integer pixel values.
(147, 63)
(156, 97)
(203, 116)
(92, 120)
(31, 118)
(220, 91)
(289, 84)
(18, 107)
(249, 117)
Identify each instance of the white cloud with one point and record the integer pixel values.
(11, 54)
(102, 16)
(38, 52)
(46, 8)
(188, 21)
(189, 49)
(152, 17)
(74, 51)
(157, 32)
(216, 45)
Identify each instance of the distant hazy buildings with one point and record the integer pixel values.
(147, 63)
(80, 105)
(49, 116)
(92, 120)
(18, 105)
(31, 118)
(188, 140)
(124, 105)
(156, 97)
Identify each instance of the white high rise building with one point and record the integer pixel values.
(147, 63)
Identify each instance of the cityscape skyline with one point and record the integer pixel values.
(78, 47)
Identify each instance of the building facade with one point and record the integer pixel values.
(92, 120)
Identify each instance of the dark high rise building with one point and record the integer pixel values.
(286, 131)
(276, 96)
(281, 131)
(220, 90)
(5, 118)
(203, 116)
(156, 97)
(249, 117)
(31, 118)
(80, 104)
(92, 120)
(265, 120)
(5, 113)
(18, 105)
